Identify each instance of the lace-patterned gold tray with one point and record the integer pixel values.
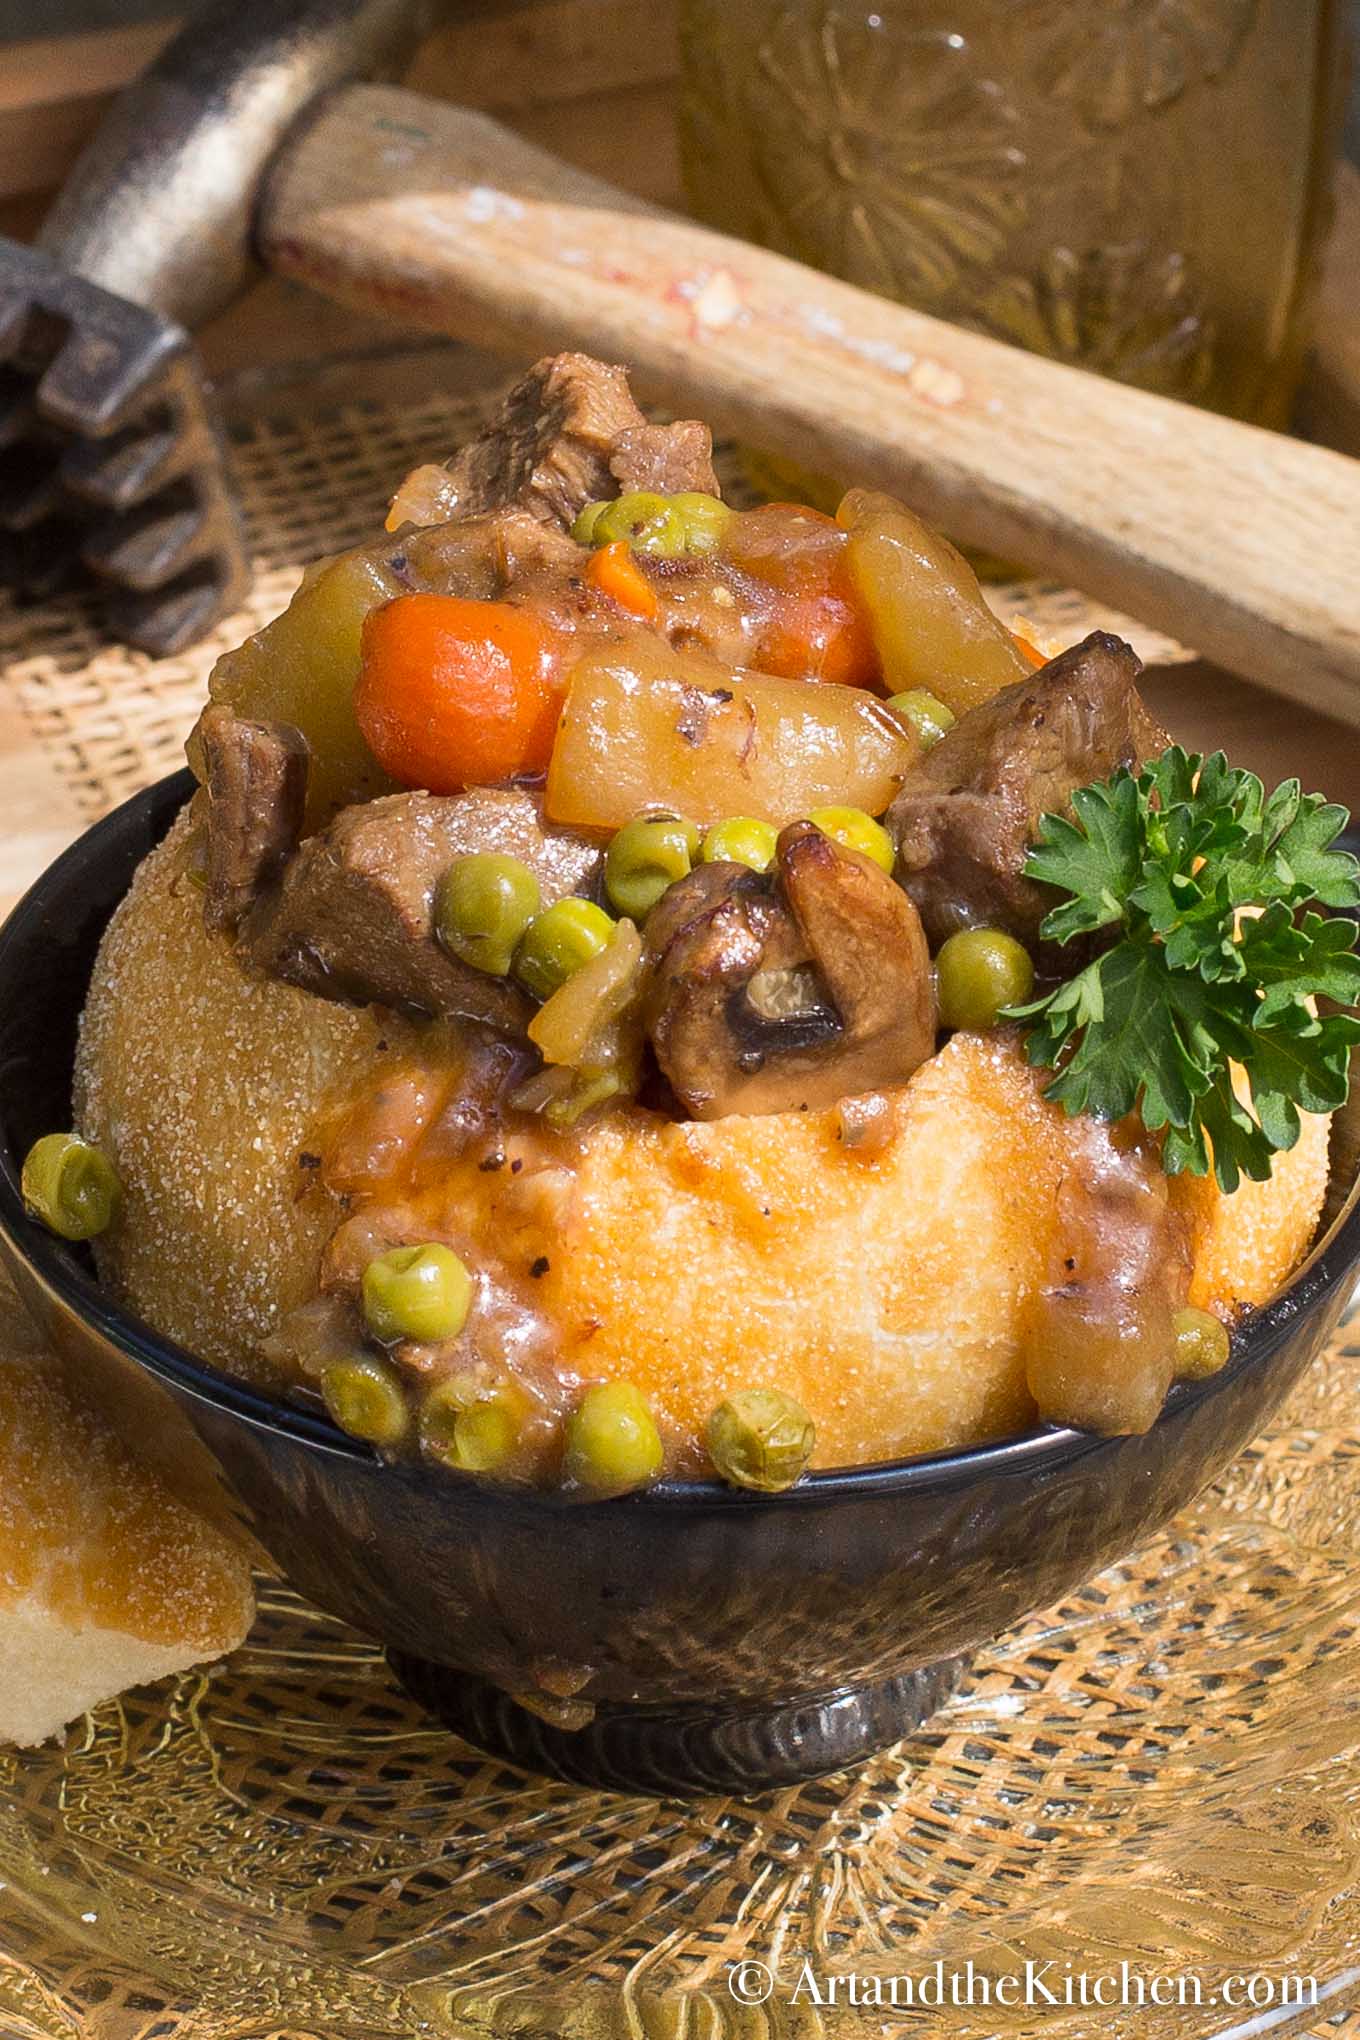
(1163, 1770)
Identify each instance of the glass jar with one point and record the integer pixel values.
(1136, 186)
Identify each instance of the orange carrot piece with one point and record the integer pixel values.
(1031, 652)
(455, 693)
(616, 573)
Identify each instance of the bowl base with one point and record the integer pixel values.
(689, 1751)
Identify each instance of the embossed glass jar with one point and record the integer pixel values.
(1138, 186)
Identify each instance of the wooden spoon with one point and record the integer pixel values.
(1241, 542)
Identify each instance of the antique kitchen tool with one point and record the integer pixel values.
(109, 449)
(1236, 540)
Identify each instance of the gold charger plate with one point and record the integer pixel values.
(1163, 1771)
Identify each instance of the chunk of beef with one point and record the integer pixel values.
(255, 790)
(567, 434)
(964, 821)
(353, 919)
(788, 992)
(667, 458)
(486, 555)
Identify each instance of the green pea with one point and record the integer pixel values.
(583, 530)
(650, 524)
(366, 1398)
(1202, 1344)
(558, 942)
(71, 1186)
(476, 1434)
(645, 859)
(857, 831)
(979, 973)
(482, 906)
(665, 526)
(422, 1293)
(612, 1442)
(925, 713)
(485, 1436)
(740, 840)
(706, 519)
(761, 1438)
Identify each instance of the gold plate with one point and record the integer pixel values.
(1164, 1770)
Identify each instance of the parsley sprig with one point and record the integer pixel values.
(1211, 886)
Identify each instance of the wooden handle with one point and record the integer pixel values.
(1240, 542)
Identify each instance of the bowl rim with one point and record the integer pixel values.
(1042, 1448)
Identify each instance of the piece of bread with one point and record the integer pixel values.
(203, 1084)
(888, 1293)
(106, 1580)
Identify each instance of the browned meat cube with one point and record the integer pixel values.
(255, 782)
(568, 434)
(354, 917)
(668, 458)
(965, 819)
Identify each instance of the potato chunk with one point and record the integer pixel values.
(930, 623)
(647, 726)
(302, 669)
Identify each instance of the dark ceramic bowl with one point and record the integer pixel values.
(725, 1642)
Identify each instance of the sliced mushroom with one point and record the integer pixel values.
(788, 991)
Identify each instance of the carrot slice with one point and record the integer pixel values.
(456, 693)
(818, 636)
(615, 572)
(814, 626)
(1028, 651)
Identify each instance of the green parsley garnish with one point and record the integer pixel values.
(1209, 884)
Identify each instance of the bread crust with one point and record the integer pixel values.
(106, 1579)
(887, 1291)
